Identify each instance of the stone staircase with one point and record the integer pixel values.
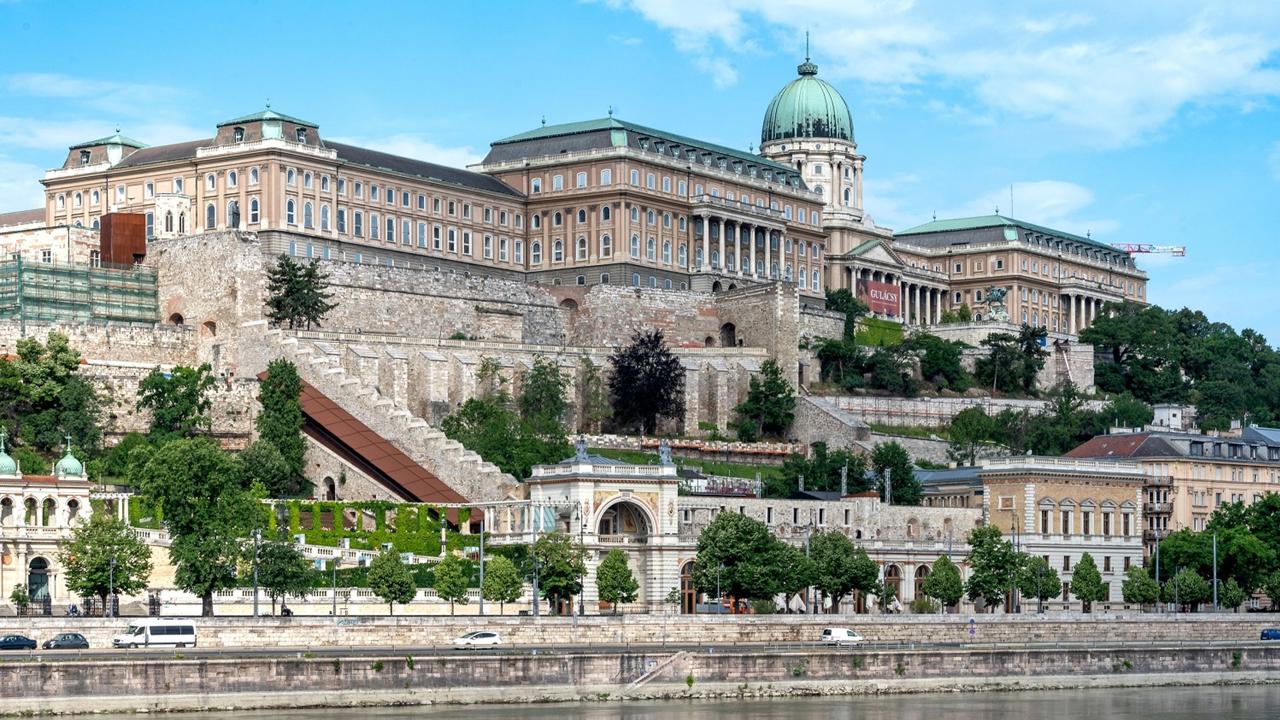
(459, 468)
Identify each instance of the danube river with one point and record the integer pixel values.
(1255, 702)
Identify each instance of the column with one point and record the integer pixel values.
(1069, 314)
(904, 305)
(706, 243)
(737, 246)
(721, 225)
(938, 294)
(768, 253)
(913, 303)
(751, 238)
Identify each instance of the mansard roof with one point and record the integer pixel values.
(1010, 225)
(116, 139)
(267, 114)
(420, 168)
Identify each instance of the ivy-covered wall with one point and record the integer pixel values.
(419, 529)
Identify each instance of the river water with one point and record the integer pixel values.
(1255, 702)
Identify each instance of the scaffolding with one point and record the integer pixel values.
(61, 292)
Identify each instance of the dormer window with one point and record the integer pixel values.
(84, 157)
(302, 135)
(239, 134)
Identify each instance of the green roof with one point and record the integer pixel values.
(992, 221)
(116, 139)
(611, 123)
(807, 108)
(267, 114)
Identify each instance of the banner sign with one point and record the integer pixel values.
(883, 298)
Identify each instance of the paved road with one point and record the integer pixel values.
(657, 648)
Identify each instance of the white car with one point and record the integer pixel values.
(841, 637)
(478, 639)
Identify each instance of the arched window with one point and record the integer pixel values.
(635, 278)
(682, 255)
(291, 212)
(697, 256)
(210, 217)
(324, 183)
(537, 221)
(253, 176)
(79, 200)
(557, 182)
(582, 279)
(255, 214)
(666, 251)
(786, 273)
(817, 188)
(233, 178)
(582, 248)
(182, 223)
(815, 284)
(582, 216)
(306, 180)
(580, 180)
(653, 281)
(651, 249)
(307, 217)
(804, 279)
(233, 214)
(62, 202)
(324, 217)
(606, 177)
(391, 229)
(606, 246)
(168, 221)
(604, 278)
(374, 228)
(211, 182)
(606, 213)
(666, 220)
(635, 180)
(557, 219)
(635, 246)
(535, 253)
(557, 251)
(846, 196)
(651, 217)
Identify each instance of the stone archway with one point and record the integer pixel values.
(715, 286)
(176, 319)
(728, 335)
(893, 579)
(688, 591)
(624, 522)
(38, 579)
(922, 574)
(330, 489)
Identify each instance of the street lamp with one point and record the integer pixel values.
(582, 527)
(257, 555)
(111, 587)
(336, 561)
(719, 595)
(482, 566)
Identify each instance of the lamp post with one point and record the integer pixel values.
(257, 555)
(582, 527)
(482, 567)
(719, 596)
(336, 561)
(111, 588)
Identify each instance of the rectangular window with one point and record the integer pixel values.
(502, 249)
(404, 198)
(1066, 562)
(435, 237)
(1106, 563)
(453, 241)
(466, 242)
(422, 235)
(488, 247)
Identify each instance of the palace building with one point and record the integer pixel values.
(597, 202)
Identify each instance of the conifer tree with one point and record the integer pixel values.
(298, 294)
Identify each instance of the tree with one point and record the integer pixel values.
(20, 598)
(1037, 580)
(561, 566)
(43, 397)
(769, 407)
(647, 382)
(892, 466)
(1232, 596)
(1014, 360)
(177, 400)
(1086, 582)
(263, 464)
(843, 301)
(297, 294)
(735, 555)
(206, 511)
(451, 580)
(283, 571)
(614, 581)
(943, 583)
(1186, 588)
(502, 582)
(970, 429)
(595, 397)
(1271, 587)
(491, 429)
(1128, 412)
(993, 562)
(542, 402)
(940, 361)
(280, 422)
(821, 471)
(1139, 588)
(840, 567)
(87, 559)
(794, 571)
(390, 579)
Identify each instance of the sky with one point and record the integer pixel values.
(1144, 121)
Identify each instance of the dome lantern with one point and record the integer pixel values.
(68, 465)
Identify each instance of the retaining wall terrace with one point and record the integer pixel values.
(154, 684)
(930, 412)
(419, 631)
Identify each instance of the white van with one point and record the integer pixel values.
(156, 632)
(841, 636)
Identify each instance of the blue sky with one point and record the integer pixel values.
(1134, 121)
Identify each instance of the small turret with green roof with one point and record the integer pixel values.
(8, 466)
(68, 466)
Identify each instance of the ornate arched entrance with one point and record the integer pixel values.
(38, 579)
(688, 592)
(623, 522)
(922, 574)
(893, 579)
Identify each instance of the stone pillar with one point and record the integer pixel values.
(721, 225)
(915, 304)
(706, 243)
(768, 253)
(937, 305)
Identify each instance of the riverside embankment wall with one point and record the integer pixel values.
(418, 631)
(153, 684)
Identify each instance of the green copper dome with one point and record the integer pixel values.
(68, 465)
(807, 108)
(8, 466)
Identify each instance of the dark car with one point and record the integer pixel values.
(66, 641)
(1271, 634)
(17, 642)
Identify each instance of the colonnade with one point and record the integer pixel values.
(721, 247)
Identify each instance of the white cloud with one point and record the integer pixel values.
(1112, 73)
(20, 187)
(625, 40)
(1053, 203)
(126, 100)
(1241, 294)
(721, 72)
(412, 146)
(59, 135)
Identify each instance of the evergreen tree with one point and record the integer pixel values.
(614, 582)
(844, 301)
(1086, 582)
(970, 429)
(451, 580)
(280, 422)
(595, 397)
(390, 579)
(87, 559)
(769, 407)
(178, 400)
(542, 402)
(892, 466)
(502, 582)
(647, 382)
(943, 583)
(298, 294)
(940, 361)
(262, 464)
(1013, 361)
(1139, 588)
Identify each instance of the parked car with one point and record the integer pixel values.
(477, 639)
(66, 641)
(153, 632)
(17, 642)
(1271, 634)
(841, 637)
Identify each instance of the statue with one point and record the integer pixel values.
(996, 311)
(580, 449)
(664, 453)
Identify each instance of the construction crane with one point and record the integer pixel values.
(1175, 250)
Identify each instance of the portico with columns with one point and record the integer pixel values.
(922, 297)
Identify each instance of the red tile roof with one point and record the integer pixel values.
(336, 429)
(1105, 446)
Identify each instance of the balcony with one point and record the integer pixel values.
(1157, 508)
(704, 201)
(1159, 481)
(622, 539)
